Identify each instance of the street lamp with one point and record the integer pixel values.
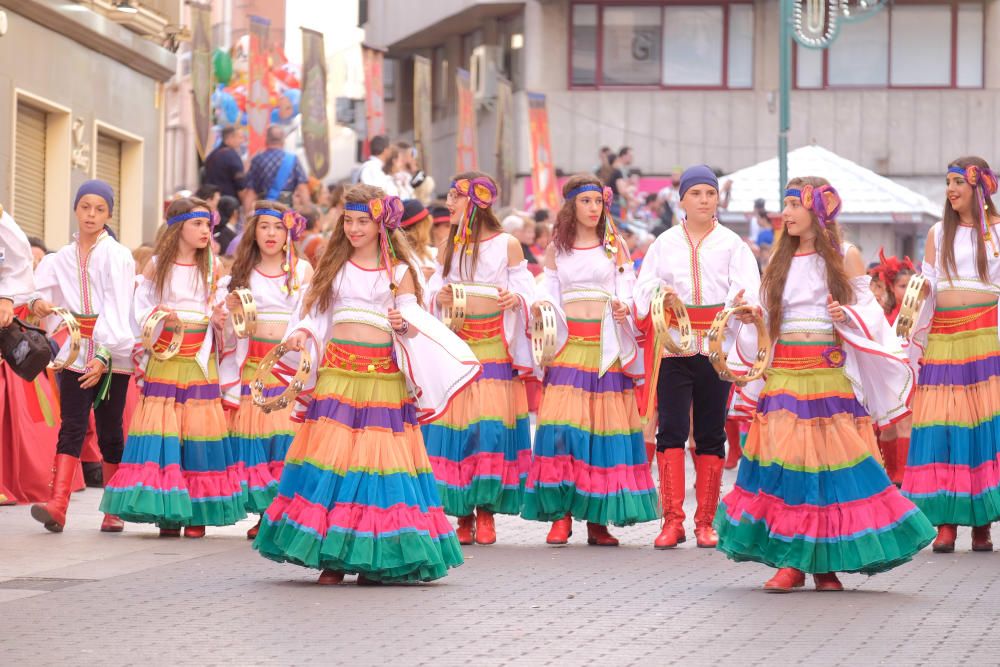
(814, 24)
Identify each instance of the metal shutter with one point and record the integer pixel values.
(109, 169)
(29, 171)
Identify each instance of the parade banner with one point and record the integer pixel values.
(465, 142)
(422, 110)
(258, 97)
(315, 126)
(505, 139)
(374, 94)
(543, 173)
(201, 75)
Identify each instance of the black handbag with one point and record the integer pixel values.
(26, 349)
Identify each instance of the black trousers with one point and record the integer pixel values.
(76, 404)
(687, 381)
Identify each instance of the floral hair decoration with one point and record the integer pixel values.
(824, 202)
(481, 193)
(984, 181)
(890, 267)
(387, 213)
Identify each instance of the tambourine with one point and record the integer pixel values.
(149, 336)
(244, 317)
(543, 335)
(661, 323)
(718, 358)
(913, 301)
(453, 316)
(294, 388)
(73, 328)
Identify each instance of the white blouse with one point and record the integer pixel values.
(16, 281)
(99, 284)
(710, 272)
(966, 277)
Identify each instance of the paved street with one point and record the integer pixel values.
(86, 598)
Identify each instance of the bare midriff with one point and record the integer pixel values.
(954, 298)
(359, 332)
(270, 329)
(585, 310)
(808, 338)
(480, 305)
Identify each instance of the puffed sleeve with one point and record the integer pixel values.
(47, 280)
(744, 274)
(522, 285)
(654, 273)
(113, 329)
(16, 280)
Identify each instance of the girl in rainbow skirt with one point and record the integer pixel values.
(178, 469)
(266, 264)
(953, 468)
(590, 462)
(811, 494)
(357, 494)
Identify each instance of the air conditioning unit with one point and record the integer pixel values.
(485, 67)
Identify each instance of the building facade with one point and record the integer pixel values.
(81, 96)
(685, 81)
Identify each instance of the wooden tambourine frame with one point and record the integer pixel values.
(73, 328)
(149, 336)
(543, 335)
(244, 317)
(718, 358)
(909, 309)
(453, 316)
(661, 323)
(294, 388)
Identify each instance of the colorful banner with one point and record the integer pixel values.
(465, 142)
(259, 98)
(201, 75)
(422, 110)
(505, 139)
(374, 94)
(315, 126)
(543, 173)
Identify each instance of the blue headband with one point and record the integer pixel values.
(360, 208)
(589, 187)
(269, 211)
(189, 216)
(793, 192)
(956, 170)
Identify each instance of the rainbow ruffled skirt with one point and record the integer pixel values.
(953, 469)
(178, 468)
(811, 492)
(590, 460)
(480, 447)
(260, 440)
(357, 493)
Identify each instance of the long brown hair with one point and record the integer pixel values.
(950, 220)
(828, 245)
(248, 252)
(564, 231)
(339, 250)
(168, 244)
(485, 219)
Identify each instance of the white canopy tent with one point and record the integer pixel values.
(876, 210)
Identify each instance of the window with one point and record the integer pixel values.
(109, 170)
(909, 44)
(662, 45)
(29, 169)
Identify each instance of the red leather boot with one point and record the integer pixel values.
(827, 582)
(252, 533)
(945, 542)
(194, 532)
(707, 484)
(560, 531)
(598, 536)
(486, 532)
(650, 452)
(733, 440)
(671, 468)
(785, 580)
(330, 577)
(890, 459)
(465, 529)
(902, 456)
(53, 513)
(981, 538)
(111, 523)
